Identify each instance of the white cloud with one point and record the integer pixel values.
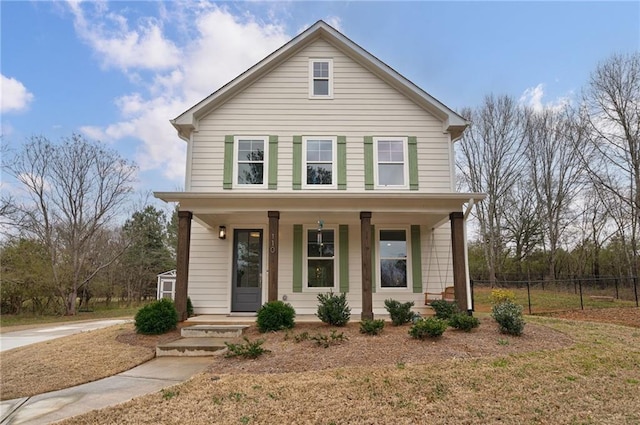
(15, 96)
(532, 97)
(108, 34)
(216, 48)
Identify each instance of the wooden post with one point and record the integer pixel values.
(367, 294)
(459, 267)
(182, 266)
(274, 218)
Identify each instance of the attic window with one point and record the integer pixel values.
(321, 78)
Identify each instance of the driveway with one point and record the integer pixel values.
(13, 339)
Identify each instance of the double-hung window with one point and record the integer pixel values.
(251, 160)
(320, 258)
(393, 258)
(391, 162)
(320, 78)
(319, 162)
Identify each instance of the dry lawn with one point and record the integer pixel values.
(560, 372)
(76, 359)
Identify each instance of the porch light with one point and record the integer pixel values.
(222, 232)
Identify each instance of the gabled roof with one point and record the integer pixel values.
(453, 123)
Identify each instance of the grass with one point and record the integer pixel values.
(546, 301)
(562, 387)
(98, 312)
(72, 360)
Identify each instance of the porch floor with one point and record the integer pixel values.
(219, 319)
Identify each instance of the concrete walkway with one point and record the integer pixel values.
(14, 339)
(147, 378)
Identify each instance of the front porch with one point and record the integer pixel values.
(420, 214)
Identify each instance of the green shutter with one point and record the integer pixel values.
(413, 163)
(297, 258)
(343, 252)
(374, 264)
(297, 162)
(342, 162)
(416, 259)
(273, 162)
(368, 162)
(227, 176)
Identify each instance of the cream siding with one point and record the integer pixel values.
(362, 105)
(210, 267)
(209, 271)
(437, 266)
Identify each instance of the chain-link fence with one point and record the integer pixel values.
(542, 296)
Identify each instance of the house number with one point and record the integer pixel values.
(272, 248)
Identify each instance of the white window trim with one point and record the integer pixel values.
(265, 169)
(312, 95)
(379, 286)
(334, 163)
(405, 152)
(305, 256)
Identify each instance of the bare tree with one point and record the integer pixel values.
(595, 217)
(553, 142)
(490, 161)
(522, 223)
(74, 190)
(612, 110)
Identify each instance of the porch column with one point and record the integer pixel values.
(459, 264)
(367, 295)
(274, 219)
(182, 263)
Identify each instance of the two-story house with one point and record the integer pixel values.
(319, 169)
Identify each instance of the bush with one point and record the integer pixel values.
(400, 312)
(275, 316)
(248, 350)
(156, 317)
(327, 340)
(464, 322)
(499, 296)
(371, 327)
(431, 327)
(333, 309)
(444, 309)
(509, 317)
(189, 308)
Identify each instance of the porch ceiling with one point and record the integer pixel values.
(212, 207)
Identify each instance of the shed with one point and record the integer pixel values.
(167, 285)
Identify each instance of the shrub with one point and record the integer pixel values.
(464, 322)
(444, 309)
(509, 317)
(156, 317)
(189, 308)
(333, 309)
(327, 340)
(499, 296)
(275, 316)
(248, 350)
(371, 327)
(431, 327)
(400, 312)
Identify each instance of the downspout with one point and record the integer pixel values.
(466, 254)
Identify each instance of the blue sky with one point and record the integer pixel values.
(118, 71)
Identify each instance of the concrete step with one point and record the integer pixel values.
(192, 347)
(215, 331)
